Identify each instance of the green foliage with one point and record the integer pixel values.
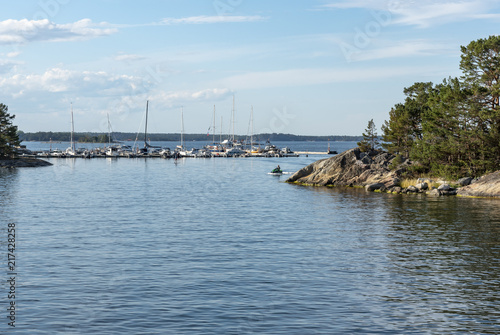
(480, 63)
(404, 126)
(452, 129)
(9, 138)
(370, 138)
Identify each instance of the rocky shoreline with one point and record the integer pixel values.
(382, 172)
(22, 162)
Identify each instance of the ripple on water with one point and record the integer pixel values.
(218, 246)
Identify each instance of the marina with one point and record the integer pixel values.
(149, 151)
(229, 147)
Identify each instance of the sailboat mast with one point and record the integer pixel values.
(213, 139)
(233, 120)
(251, 130)
(146, 125)
(72, 129)
(109, 131)
(182, 128)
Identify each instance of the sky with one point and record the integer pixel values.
(316, 67)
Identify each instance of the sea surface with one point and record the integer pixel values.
(218, 246)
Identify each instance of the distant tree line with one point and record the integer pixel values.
(453, 128)
(119, 136)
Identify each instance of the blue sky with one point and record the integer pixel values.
(314, 67)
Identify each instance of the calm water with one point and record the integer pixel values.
(218, 246)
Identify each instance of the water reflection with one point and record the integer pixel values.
(219, 246)
(8, 180)
(433, 264)
(444, 260)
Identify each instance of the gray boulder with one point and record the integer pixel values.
(434, 192)
(347, 169)
(486, 186)
(412, 189)
(422, 186)
(444, 187)
(374, 187)
(465, 181)
(397, 189)
(425, 180)
(366, 160)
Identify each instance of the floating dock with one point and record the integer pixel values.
(311, 152)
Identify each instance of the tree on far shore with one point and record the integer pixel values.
(9, 139)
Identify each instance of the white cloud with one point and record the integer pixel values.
(6, 65)
(427, 14)
(179, 97)
(57, 80)
(23, 31)
(13, 54)
(424, 13)
(212, 19)
(487, 16)
(128, 58)
(315, 76)
(374, 4)
(411, 48)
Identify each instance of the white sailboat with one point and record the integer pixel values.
(180, 149)
(71, 151)
(112, 150)
(215, 149)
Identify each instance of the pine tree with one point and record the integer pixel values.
(453, 129)
(480, 63)
(447, 142)
(370, 138)
(404, 125)
(8, 133)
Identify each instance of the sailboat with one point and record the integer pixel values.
(149, 149)
(112, 150)
(180, 149)
(331, 152)
(232, 146)
(71, 151)
(146, 147)
(215, 150)
(253, 151)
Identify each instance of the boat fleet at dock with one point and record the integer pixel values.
(224, 149)
(227, 148)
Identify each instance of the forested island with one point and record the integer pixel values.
(447, 131)
(450, 129)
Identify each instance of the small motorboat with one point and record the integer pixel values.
(276, 171)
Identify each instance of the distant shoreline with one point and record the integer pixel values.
(120, 136)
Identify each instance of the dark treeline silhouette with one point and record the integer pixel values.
(119, 136)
